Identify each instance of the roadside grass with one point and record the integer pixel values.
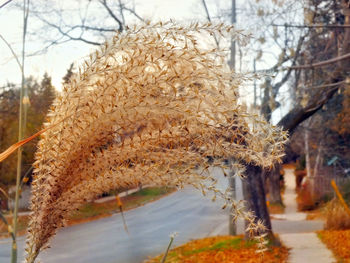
(338, 241)
(92, 211)
(222, 249)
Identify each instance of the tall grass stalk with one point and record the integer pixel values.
(21, 129)
(172, 237)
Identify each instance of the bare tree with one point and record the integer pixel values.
(87, 21)
(298, 59)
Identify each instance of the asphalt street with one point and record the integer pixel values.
(186, 212)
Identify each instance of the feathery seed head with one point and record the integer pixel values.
(149, 107)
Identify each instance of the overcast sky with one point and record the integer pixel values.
(58, 58)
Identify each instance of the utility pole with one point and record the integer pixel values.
(233, 43)
(232, 178)
(254, 68)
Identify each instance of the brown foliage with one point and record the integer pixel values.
(336, 216)
(339, 242)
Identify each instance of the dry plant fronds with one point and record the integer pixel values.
(15, 146)
(151, 106)
(336, 216)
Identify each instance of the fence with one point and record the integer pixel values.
(322, 184)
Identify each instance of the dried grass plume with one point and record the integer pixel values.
(149, 107)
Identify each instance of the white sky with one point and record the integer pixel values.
(58, 58)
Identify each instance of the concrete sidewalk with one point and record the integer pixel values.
(305, 247)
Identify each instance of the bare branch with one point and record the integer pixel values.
(121, 11)
(110, 12)
(92, 28)
(66, 34)
(209, 19)
(322, 63)
(82, 31)
(297, 115)
(134, 13)
(278, 85)
(312, 26)
(1, 6)
(329, 85)
(12, 51)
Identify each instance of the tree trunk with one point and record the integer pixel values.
(274, 186)
(253, 185)
(254, 193)
(307, 150)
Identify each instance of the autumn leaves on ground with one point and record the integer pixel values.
(223, 249)
(337, 235)
(336, 214)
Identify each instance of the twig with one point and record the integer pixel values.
(121, 11)
(313, 26)
(278, 85)
(134, 13)
(209, 19)
(1, 6)
(12, 51)
(329, 85)
(110, 12)
(322, 63)
(66, 34)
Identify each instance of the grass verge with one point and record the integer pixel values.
(338, 241)
(222, 249)
(93, 211)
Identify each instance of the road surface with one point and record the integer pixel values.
(186, 212)
(105, 241)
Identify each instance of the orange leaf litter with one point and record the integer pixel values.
(222, 249)
(339, 242)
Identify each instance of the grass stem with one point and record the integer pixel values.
(168, 248)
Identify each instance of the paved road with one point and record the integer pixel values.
(105, 241)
